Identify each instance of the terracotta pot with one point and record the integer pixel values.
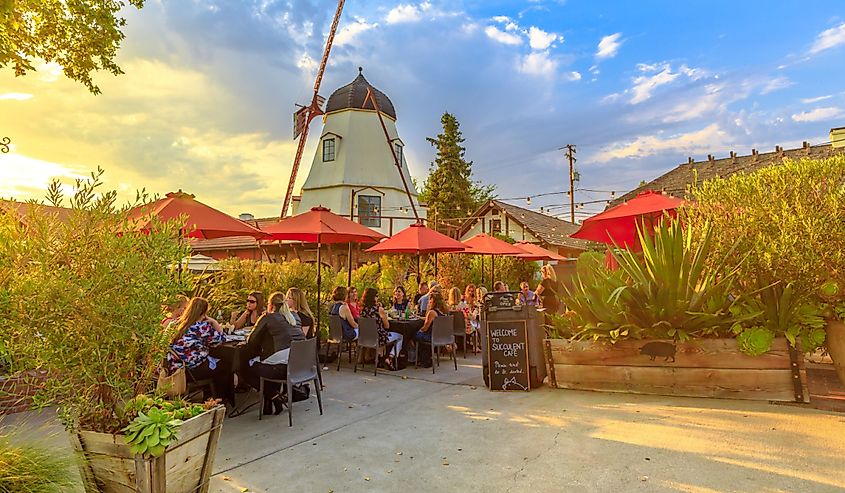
(835, 342)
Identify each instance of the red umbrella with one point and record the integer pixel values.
(482, 244)
(618, 225)
(536, 252)
(202, 221)
(418, 239)
(320, 225)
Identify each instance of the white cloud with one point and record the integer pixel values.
(644, 85)
(538, 63)
(775, 84)
(609, 46)
(348, 33)
(573, 76)
(15, 96)
(699, 141)
(502, 37)
(307, 63)
(539, 39)
(829, 38)
(818, 114)
(406, 13)
(815, 100)
(713, 98)
(503, 19)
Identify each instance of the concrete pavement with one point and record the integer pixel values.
(447, 432)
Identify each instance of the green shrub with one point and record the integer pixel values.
(82, 298)
(787, 222)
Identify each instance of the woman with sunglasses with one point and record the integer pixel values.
(254, 310)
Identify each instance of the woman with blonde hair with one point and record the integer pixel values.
(455, 302)
(549, 289)
(196, 333)
(298, 305)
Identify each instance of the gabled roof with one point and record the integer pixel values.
(21, 209)
(550, 230)
(675, 182)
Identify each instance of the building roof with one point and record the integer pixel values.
(21, 209)
(675, 182)
(548, 229)
(352, 95)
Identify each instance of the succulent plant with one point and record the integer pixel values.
(151, 433)
(755, 341)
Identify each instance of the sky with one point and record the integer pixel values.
(206, 101)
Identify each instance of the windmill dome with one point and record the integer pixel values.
(352, 96)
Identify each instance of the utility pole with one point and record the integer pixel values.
(570, 154)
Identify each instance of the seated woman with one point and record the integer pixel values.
(174, 311)
(352, 302)
(455, 303)
(400, 299)
(298, 305)
(254, 310)
(341, 309)
(195, 334)
(267, 350)
(371, 308)
(436, 308)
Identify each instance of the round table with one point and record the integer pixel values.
(408, 328)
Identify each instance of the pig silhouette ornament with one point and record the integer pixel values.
(654, 350)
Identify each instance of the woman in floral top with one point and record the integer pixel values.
(196, 333)
(370, 308)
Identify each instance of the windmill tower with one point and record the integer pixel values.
(353, 172)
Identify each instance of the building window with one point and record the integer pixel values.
(495, 226)
(369, 210)
(328, 150)
(398, 148)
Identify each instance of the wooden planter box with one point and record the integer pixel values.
(16, 391)
(700, 368)
(110, 467)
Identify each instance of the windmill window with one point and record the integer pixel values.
(369, 210)
(398, 148)
(328, 150)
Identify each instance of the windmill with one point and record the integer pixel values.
(305, 114)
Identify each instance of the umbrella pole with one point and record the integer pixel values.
(482, 270)
(492, 271)
(435, 264)
(419, 272)
(319, 288)
(349, 266)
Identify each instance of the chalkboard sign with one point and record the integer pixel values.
(507, 355)
(500, 301)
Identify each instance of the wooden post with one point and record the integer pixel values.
(211, 449)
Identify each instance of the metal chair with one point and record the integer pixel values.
(368, 338)
(336, 337)
(442, 334)
(302, 368)
(460, 328)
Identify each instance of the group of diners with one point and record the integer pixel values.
(284, 318)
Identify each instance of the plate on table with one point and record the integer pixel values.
(235, 338)
(242, 332)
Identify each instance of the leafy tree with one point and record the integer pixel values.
(82, 36)
(449, 190)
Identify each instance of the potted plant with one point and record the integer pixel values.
(787, 221)
(664, 323)
(83, 293)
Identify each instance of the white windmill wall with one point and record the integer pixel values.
(362, 159)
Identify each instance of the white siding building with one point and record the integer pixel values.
(353, 159)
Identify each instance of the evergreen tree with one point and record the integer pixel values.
(449, 190)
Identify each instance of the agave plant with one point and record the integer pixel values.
(669, 290)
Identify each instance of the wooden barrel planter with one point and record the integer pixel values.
(700, 368)
(185, 466)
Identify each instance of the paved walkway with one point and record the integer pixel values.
(447, 432)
